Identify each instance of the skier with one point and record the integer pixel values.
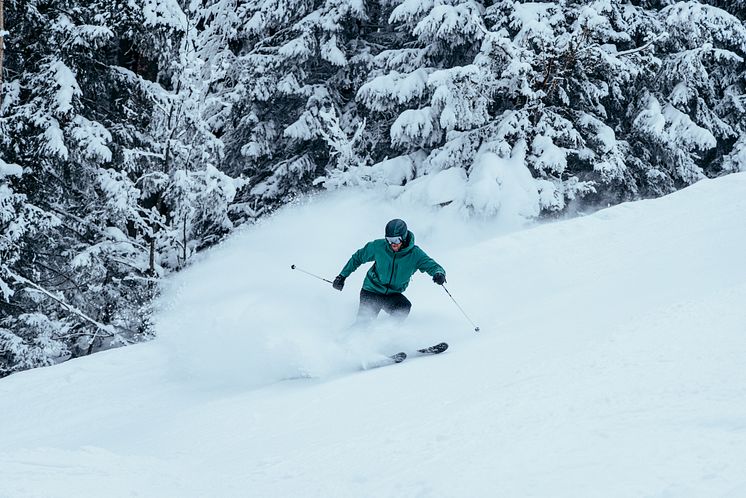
(396, 259)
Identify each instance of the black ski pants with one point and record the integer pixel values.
(371, 304)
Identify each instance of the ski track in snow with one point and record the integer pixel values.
(610, 363)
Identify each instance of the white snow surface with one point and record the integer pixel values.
(610, 363)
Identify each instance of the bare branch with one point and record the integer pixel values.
(108, 329)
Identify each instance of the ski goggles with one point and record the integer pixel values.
(394, 240)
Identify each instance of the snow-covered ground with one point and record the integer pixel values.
(610, 364)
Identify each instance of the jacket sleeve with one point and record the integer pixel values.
(362, 255)
(428, 265)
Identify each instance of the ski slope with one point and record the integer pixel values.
(610, 363)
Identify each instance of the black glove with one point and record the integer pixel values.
(439, 278)
(339, 282)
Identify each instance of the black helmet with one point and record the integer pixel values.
(396, 228)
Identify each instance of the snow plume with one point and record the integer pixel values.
(242, 317)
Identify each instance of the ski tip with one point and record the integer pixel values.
(399, 357)
(438, 348)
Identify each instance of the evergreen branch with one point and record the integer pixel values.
(125, 263)
(93, 227)
(60, 274)
(109, 329)
(76, 335)
(137, 278)
(644, 47)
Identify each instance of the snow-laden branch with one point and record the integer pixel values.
(108, 329)
(644, 47)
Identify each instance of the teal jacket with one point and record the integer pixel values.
(392, 270)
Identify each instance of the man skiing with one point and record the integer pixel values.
(396, 259)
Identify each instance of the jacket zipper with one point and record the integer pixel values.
(391, 279)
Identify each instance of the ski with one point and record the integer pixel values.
(401, 356)
(437, 349)
(386, 360)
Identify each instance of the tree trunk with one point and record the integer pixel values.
(151, 269)
(185, 239)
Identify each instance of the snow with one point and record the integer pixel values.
(736, 160)
(610, 363)
(55, 139)
(604, 133)
(446, 187)
(384, 92)
(549, 156)
(702, 23)
(93, 137)
(691, 135)
(651, 119)
(303, 128)
(408, 10)
(166, 13)
(297, 47)
(535, 20)
(414, 126)
(394, 171)
(9, 170)
(67, 87)
(332, 53)
(457, 24)
(503, 188)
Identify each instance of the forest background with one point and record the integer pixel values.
(135, 133)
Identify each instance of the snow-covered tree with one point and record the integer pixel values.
(589, 94)
(283, 68)
(27, 340)
(545, 82)
(125, 125)
(103, 115)
(692, 112)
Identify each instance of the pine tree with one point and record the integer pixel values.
(535, 84)
(582, 94)
(690, 115)
(102, 118)
(125, 126)
(287, 75)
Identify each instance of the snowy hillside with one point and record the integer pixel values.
(610, 363)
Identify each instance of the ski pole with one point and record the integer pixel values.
(476, 329)
(293, 267)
